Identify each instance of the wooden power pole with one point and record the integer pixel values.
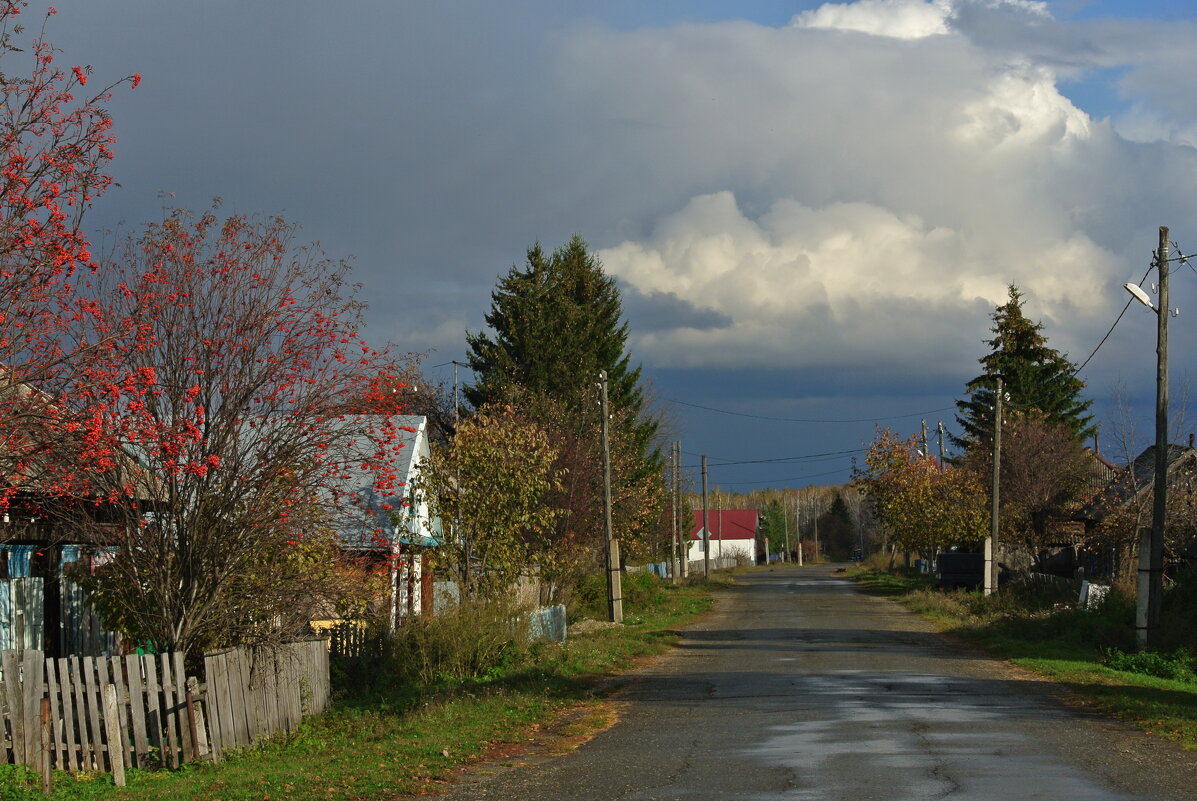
(675, 547)
(684, 534)
(706, 524)
(614, 590)
(1151, 545)
(990, 579)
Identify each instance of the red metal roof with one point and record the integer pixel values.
(726, 524)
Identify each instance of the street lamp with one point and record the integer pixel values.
(1151, 542)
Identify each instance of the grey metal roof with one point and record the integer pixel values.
(370, 519)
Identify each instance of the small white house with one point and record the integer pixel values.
(395, 521)
(733, 534)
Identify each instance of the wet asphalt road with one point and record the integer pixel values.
(800, 687)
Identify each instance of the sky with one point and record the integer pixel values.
(812, 209)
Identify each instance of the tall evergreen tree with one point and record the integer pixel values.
(772, 526)
(1035, 377)
(555, 324)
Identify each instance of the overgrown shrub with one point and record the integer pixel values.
(589, 599)
(466, 642)
(642, 591)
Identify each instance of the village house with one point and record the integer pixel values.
(392, 528)
(733, 535)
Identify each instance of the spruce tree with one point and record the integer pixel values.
(554, 324)
(772, 525)
(1035, 378)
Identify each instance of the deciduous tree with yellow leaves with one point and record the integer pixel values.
(924, 505)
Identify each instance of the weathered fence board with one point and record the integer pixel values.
(64, 730)
(123, 709)
(186, 744)
(141, 743)
(13, 708)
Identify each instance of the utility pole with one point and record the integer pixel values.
(941, 453)
(614, 590)
(926, 450)
(684, 534)
(720, 518)
(456, 402)
(798, 527)
(1151, 544)
(675, 550)
(785, 518)
(453, 524)
(816, 513)
(706, 524)
(990, 584)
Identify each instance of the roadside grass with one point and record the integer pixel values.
(386, 736)
(890, 584)
(1091, 652)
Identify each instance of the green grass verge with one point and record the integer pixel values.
(381, 742)
(1051, 637)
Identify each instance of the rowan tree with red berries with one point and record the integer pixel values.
(55, 147)
(225, 435)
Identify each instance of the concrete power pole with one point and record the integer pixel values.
(1151, 544)
(614, 589)
(798, 527)
(785, 517)
(816, 513)
(941, 453)
(706, 524)
(990, 583)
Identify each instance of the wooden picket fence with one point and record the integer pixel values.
(79, 713)
(347, 639)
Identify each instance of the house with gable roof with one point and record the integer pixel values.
(733, 534)
(393, 523)
(1130, 492)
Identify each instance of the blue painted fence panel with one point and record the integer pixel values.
(547, 623)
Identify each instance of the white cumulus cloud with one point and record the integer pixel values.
(865, 200)
(902, 19)
(848, 283)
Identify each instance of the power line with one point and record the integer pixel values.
(779, 480)
(807, 420)
(1115, 325)
(779, 459)
(446, 364)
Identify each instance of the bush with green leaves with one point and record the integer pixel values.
(640, 591)
(1178, 665)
